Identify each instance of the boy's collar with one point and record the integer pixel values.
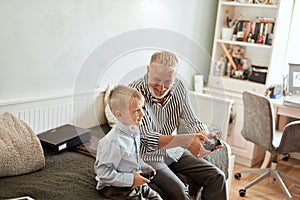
(126, 129)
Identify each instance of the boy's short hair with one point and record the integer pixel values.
(165, 58)
(122, 96)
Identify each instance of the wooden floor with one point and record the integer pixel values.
(265, 190)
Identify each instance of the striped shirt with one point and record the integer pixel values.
(164, 119)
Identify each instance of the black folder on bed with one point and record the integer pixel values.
(63, 138)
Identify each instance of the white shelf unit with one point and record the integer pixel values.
(271, 56)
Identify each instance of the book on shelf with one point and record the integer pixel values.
(259, 31)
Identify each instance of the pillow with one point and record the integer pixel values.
(111, 119)
(21, 150)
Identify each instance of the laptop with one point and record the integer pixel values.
(63, 138)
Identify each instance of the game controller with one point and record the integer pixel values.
(212, 143)
(147, 173)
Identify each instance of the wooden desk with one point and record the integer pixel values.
(283, 113)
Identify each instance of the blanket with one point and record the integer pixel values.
(68, 175)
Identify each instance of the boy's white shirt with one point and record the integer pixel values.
(116, 160)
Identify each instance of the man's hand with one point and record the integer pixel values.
(203, 135)
(196, 147)
(193, 142)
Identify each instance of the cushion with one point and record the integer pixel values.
(21, 150)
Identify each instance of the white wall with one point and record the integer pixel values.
(294, 39)
(45, 42)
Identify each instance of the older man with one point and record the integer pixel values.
(167, 103)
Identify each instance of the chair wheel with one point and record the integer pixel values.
(286, 157)
(237, 176)
(242, 192)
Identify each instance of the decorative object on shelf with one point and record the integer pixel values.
(219, 67)
(242, 64)
(227, 33)
(274, 2)
(230, 23)
(274, 91)
(261, 1)
(229, 57)
(230, 27)
(236, 65)
(237, 53)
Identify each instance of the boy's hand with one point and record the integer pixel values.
(138, 179)
(150, 168)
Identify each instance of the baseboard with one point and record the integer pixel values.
(295, 155)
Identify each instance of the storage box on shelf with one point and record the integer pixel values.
(261, 31)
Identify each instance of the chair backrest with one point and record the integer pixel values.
(212, 110)
(290, 141)
(258, 126)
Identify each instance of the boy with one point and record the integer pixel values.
(118, 166)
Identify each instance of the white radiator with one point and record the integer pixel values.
(48, 117)
(46, 113)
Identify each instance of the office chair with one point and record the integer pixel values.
(259, 128)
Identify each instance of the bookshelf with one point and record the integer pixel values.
(271, 56)
(223, 78)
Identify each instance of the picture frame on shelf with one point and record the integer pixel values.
(294, 79)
